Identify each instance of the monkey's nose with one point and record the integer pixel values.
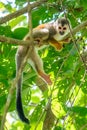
(61, 32)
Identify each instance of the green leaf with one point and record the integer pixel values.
(16, 21)
(83, 3)
(20, 32)
(82, 111)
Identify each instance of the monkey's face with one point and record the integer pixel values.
(63, 30)
(63, 26)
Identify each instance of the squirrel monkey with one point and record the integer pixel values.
(45, 34)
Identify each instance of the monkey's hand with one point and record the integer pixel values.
(38, 42)
(65, 41)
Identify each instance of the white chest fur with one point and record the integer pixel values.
(58, 37)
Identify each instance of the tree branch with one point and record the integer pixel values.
(49, 116)
(13, 41)
(8, 40)
(21, 11)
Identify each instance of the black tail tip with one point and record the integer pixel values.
(26, 121)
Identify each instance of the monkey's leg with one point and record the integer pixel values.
(45, 77)
(37, 63)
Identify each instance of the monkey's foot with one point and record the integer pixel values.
(45, 77)
(57, 46)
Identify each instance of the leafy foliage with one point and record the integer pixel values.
(66, 68)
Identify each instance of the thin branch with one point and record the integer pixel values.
(13, 41)
(49, 117)
(8, 40)
(83, 127)
(47, 113)
(9, 98)
(13, 15)
(21, 11)
(30, 21)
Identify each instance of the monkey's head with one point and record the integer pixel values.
(63, 26)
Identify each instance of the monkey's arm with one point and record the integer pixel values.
(58, 45)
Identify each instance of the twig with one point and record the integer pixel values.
(13, 41)
(8, 40)
(30, 20)
(49, 118)
(83, 127)
(20, 12)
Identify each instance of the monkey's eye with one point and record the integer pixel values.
(60, 27)
(64, 28)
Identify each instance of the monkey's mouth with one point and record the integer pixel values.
(61, 33)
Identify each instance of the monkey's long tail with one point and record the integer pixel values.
(19, 106)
